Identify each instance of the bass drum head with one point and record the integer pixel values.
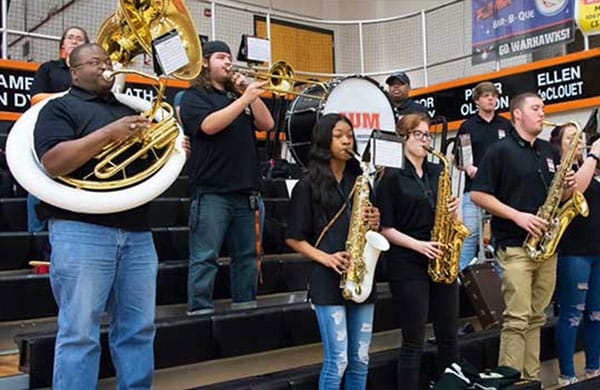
(300, 120)
(359, 98)
(365, 103)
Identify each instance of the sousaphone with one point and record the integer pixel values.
(130, 31)
(111, 187)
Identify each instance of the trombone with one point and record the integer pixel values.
(282, 80)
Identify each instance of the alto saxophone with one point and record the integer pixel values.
(447, 229)
(540, 248)
(363, 245)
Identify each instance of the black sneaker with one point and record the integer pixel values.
(466, 329)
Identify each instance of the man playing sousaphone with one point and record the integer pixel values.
(219, 113)
(99, 261)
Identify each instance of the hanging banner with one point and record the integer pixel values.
(587, 16)
(505, 28)
(565, 81)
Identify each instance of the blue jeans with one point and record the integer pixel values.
(97, 268)
(212, 216)
(471, 216)
(34, 224)
(346, 336)
(578, 288)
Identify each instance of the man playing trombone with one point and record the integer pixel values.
(219, 113)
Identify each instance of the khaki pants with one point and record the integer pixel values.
(527, 287)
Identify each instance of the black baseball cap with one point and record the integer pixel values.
(400, 76)
(215, 47)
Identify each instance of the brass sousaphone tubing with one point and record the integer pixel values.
(160, 135)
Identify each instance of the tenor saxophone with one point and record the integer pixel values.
(363, 245)
(447, 229)
(558, 216)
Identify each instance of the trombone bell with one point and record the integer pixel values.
(282, 80)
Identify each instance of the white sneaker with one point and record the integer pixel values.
(592, 373)
(200, 312)
(565, 381)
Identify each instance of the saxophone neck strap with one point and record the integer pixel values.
(332, 220)
(424, 184)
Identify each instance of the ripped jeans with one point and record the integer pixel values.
(346, 335)
(578, 288)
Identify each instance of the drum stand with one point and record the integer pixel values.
(273, 145)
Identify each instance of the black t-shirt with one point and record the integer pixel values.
(409, 106)
(51, 76)
(518, 175)
(581, 237)
(222, 162)
(483, 134)
(73, 116)
(407, 204)
(305, 223)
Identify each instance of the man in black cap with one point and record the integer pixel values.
(399, 88)
(219, 113)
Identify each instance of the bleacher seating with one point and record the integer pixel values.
(283, 318)
(16, 249)
(13, 214)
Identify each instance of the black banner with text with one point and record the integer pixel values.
(569, 81)
(15, 84)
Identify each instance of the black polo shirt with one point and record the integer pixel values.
(483, 134)
(304, 223)
(226, 161)
(581, 237)
(518, 174)
(73, 116)
(409, 106)
(51, 76)
(407, 204)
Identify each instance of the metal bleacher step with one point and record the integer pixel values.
(298, 367)
(279, 321)
(224, 370)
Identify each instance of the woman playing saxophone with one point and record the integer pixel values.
(407, 200)
(318, 224)
(578, 276)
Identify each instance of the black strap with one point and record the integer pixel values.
(425, 186)
(540, 171)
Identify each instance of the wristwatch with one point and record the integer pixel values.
(592, 155)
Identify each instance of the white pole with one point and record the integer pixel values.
(586, 42)
(362, 48)
(424, 37)
(268, 20)
(4, 29)
(213, 25)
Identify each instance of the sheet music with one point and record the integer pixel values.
(259, 49)
(388, 153)
(170, 53)
(466, 150)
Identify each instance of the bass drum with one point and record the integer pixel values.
(360, 98)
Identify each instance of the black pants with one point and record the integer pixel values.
(412, 299)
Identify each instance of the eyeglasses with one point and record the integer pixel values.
(96, 62)
(421, 135)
